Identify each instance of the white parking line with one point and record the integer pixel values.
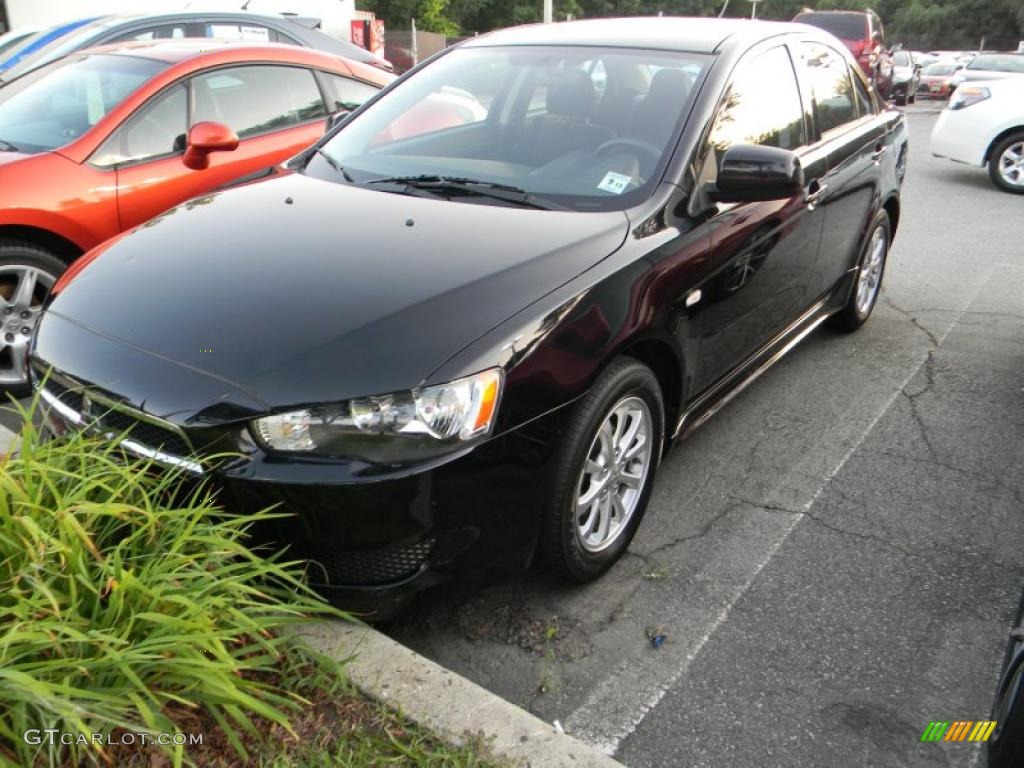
(620, 702)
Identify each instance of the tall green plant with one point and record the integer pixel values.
(120, 607)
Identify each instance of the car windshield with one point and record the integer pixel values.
(56, 104)
(845, 26)
(901, 59)
(939, 69)
(588, 128)
(1008, 62)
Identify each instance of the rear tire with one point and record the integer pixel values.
(604, 472)
(870, 271)
(27, 273)
(1006, 164)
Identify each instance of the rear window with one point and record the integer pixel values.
(901, 59)
(939, 70)
(845, 26)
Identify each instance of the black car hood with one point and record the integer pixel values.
(298, 290)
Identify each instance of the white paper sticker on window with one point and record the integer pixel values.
(615, 183)
(256, 34)
(225, 31)
(94, 106)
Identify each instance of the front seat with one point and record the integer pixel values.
(566, 126)
(656, 115)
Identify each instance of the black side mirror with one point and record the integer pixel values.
(753, 173)
(337, 119)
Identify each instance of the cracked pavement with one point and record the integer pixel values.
(833, 558)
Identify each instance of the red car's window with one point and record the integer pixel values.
(256, 99)
(156, 130)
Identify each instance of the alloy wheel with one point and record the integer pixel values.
(870, 276)
(23, 289)
(614, 474)
(1011, 164)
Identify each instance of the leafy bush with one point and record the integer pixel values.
(126, 597)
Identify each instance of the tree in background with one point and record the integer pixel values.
(946, 23)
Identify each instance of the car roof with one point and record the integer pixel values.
(174, 51)
(117, 19)
(672, 33)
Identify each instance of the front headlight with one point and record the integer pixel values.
(401, 426)
(966, 95)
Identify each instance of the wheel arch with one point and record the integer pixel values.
(892, 207)
(658, 355)
(999, 137)
(61, 247)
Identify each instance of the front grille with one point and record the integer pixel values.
(144, 432)
(137, 433)
(365, 568)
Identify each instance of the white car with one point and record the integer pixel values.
(984, 125)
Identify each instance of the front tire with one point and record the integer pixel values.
(604, 472)
(1006, 164)
(27, 275)
(870, 271)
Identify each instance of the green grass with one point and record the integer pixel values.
(130, 603)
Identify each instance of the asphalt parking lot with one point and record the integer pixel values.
(832, 560)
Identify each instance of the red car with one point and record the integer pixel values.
(98, 142)
(937, 80)
(863, 34)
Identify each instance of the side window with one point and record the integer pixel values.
(344, 93)
(281, 37)
(257, 99)
(832, 86)
(762, 106)
(163, 32)
(156, 130)
(865, 104)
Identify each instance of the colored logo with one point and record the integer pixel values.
(958, 730)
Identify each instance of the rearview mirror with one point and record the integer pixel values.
(753, 173)
(204, 138)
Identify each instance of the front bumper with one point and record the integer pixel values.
(373, 536)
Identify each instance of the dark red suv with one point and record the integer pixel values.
(863, 34)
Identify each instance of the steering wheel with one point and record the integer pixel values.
(644, 146)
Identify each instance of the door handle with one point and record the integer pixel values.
(813, 194)
(876, 156)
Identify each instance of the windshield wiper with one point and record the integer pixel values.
(334, 164)
(464, 186)
(6, 146)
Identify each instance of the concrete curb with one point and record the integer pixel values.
(6, 439)
(445, 702)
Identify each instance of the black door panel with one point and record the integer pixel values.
(762, 254)
(853, 179)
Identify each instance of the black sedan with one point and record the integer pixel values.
(450, 346)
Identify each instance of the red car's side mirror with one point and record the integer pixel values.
(204, 138)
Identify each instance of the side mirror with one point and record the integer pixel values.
(204, 138)
(337, 119)
(752, 173)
